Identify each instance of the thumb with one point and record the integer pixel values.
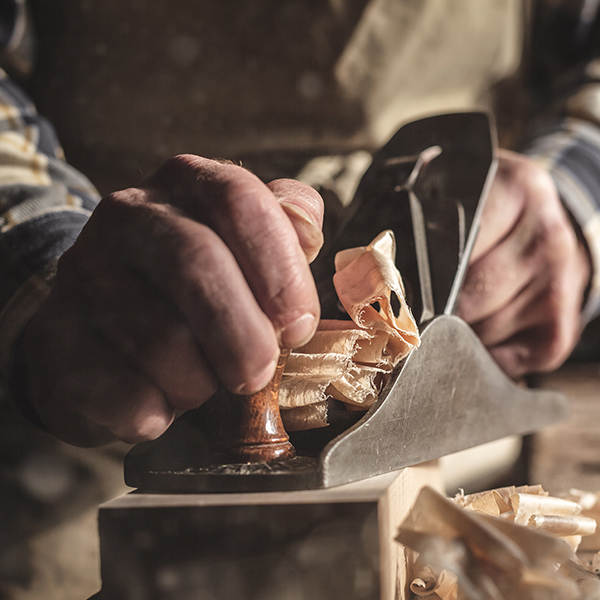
(304, 207)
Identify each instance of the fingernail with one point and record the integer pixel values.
(298, 213)
(298, 332)
(260, 380)
(309, 234)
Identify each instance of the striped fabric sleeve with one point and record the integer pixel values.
(569, 149)
(44, 203)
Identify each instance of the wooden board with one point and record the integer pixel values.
(329, 543)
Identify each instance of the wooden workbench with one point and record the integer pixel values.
(567, 454)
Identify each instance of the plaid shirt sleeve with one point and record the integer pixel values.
(43, 206)
(569, 149)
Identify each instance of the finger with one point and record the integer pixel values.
(537, 246)
(536, 350)
(495, 280)
(197, 273)
(93, 395)
(248, 218)
(537, 331)
(148, 330)
(304, 207)
(117, 397)
(537, 304)
(515, 355)
(518, 181)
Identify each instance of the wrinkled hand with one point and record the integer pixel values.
(528, 273)
(194, 278)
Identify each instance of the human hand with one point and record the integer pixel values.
(527, 276)
(194, 278)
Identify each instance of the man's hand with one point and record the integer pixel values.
(528, 273)
(193, 279)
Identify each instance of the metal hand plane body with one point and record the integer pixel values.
(428, 185)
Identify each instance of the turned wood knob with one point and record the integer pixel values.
(255, 429)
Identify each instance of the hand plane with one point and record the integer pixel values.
(428, 185)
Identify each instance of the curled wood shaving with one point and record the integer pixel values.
(349, 361)
(479, 540)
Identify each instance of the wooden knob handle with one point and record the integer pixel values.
(256, 429)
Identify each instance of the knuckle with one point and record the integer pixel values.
(294, 296)
(251, 367)
(552, 354)
(556, 343)
(113, 213)
(184, 160)
(188, 169)
(554, 224)
(553, 237)
(175, 165)
(143, 430)
(528, 182)
(116, 202)
(253, 379)
(148, 416)
(530, 176)
(535, 177)
(191, 168)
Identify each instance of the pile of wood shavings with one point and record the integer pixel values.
(348, 361)
(533, 507)
(510, 543)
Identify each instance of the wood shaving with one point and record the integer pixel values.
(479, 541)
(350, 361)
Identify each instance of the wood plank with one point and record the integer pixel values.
(394, 506)
(337, 543)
